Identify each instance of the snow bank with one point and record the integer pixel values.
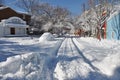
(103, 54)
(46, 37)
(109, 64)
(32, 61)
(73, 70)
(98, 60)
(26, 66)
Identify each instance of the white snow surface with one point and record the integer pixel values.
(46, 37)
(71, 58)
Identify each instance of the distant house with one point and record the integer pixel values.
(113, 26)
(14, 26)
(13, 23)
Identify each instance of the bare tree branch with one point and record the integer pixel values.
(28, 5)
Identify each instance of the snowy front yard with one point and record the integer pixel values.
(49, 58)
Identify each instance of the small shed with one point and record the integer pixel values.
(13, 26)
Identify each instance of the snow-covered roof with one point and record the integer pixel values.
(17, 11)
(14, 21)
(3, 7)
(22, 12)
(17, 25)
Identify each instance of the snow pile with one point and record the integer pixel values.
(71, 70)
(46, 37)
(27, 66)
(31, 63)
(55, 35)
(109, 64)
(89, 41)
(103, 54)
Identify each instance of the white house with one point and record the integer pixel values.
(14, 26)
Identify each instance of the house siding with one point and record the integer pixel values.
(20, 31)
(113, 27)
(13, 26)
(1, 30)
(6, 31)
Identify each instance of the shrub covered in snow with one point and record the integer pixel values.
(46, 37)
(55, 35)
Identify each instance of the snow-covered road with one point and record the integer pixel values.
(72, 63)
(77, 61)
(70, 58)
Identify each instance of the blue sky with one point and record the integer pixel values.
(73, 5)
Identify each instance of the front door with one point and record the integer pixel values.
(12, 30)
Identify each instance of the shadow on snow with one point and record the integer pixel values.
(8, 49)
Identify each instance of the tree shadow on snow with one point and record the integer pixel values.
(8, 49)
(5, 53)
(6, 42)
(53, 62)
(98, 76)
(67, 58)
(92, 76)
(85, 59)
(116, 74)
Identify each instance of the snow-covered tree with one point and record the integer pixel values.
(60, 16)
(44, 16)
(93, 18)
(102, 12)
(28, 5)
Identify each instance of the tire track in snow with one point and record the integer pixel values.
(75, 42)
(97, 74)
(67, 49)
(69, 54)
(72, 64)
(50, 62)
